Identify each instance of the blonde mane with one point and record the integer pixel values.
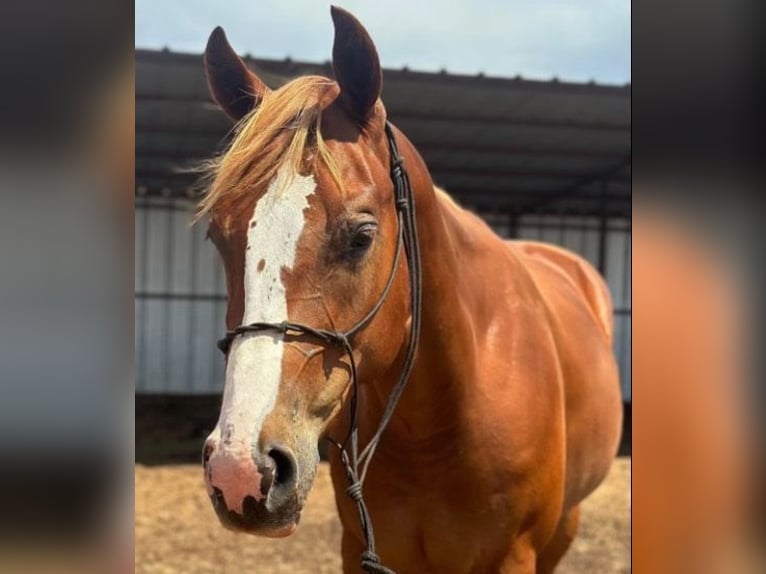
(283, 130)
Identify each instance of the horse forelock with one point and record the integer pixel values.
(284, 131)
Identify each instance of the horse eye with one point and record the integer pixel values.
(361, 239)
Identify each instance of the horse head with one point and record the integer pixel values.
(302, 212)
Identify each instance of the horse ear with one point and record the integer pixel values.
(356, 64)
(236, 89)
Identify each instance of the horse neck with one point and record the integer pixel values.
(436, 385)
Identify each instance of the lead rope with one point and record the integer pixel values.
(355, 463)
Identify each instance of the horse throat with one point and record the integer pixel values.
(429, 407)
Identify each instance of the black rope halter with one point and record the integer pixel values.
(355, 462)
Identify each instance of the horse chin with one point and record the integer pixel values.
(282, 531)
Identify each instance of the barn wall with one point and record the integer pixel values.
(181, 295)
(180, 302)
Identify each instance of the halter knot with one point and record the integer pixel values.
(342, 339)
(397, 169)
(354, 491)
(371, 563)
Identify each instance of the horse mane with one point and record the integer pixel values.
(282, 131)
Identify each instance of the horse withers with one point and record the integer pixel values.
(512, 413)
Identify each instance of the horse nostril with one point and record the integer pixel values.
(286, 467)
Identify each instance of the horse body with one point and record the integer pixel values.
(512, 415)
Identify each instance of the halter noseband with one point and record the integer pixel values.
(354, 462)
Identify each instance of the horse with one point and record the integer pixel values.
(511, 413)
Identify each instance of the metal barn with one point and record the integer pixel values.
(543, 160)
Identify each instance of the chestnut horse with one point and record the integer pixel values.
(511, 415)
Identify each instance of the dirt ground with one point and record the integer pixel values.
(178, 532)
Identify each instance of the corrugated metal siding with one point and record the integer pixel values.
(181, 293)
(617, 269)
(180, 302)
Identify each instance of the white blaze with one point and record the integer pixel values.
(254, 368)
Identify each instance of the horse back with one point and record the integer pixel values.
(581, 274)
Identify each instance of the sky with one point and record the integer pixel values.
(573, 40)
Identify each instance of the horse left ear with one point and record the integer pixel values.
(356, 64)
(236, 89)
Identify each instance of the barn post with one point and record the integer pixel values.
(602, 230)
(513, 224)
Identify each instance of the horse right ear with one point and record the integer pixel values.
(235, 88)
(356, 64)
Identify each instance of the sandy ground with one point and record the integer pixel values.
(178, 532)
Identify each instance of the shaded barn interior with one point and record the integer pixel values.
(544, 160)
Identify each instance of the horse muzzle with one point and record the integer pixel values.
(254, 492)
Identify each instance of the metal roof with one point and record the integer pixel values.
(494, 143)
